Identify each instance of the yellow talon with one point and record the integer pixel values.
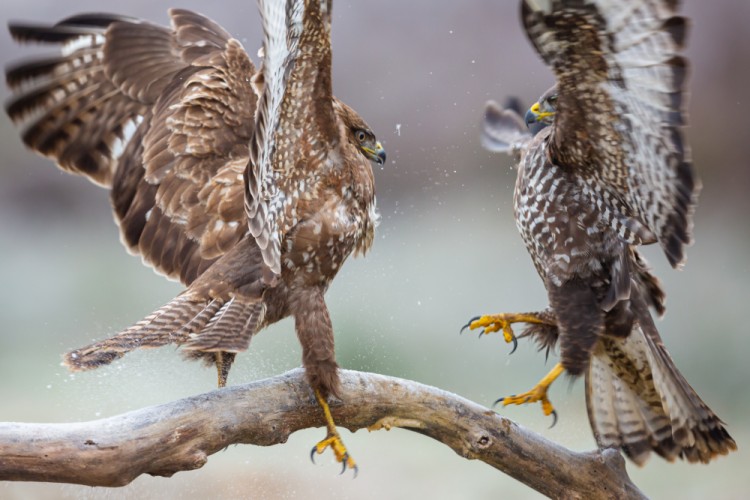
(537, 394)
(333, 440)
(339, 450)
(495, 322)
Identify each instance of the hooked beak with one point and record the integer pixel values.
(535, 115)
(377, 155)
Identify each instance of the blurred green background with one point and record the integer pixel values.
(447, 249)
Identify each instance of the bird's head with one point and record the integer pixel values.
(543, 111)
(369, 145)
(360, 134)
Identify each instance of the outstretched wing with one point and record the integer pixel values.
(503, 129)
(162, 116)
(78, 115)
(620, 104)
(289, 149)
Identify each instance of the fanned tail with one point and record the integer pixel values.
(639, 401)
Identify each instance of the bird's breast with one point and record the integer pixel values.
(316, 248)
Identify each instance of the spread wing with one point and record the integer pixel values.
(503, 129)
(289, 150)
(162, 116)
(620, 105)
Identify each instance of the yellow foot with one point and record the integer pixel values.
(333, 440)
(537, 394)
(496, 322)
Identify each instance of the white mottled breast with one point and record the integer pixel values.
(567, 226)
(337, 216)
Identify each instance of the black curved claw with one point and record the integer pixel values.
(467, 325)
(343, 463)
(312, 454)
(515, 345)
(554, 418)
(356, 471)
(498, 402)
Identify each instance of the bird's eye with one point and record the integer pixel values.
(552, 99)
(361, 136)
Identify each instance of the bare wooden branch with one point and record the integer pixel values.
(178, 436)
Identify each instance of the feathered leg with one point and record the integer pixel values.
(538, 324)
(495, 322)
(315, 333)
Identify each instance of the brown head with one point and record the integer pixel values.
(359, 133)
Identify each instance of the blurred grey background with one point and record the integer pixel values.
(447, 249)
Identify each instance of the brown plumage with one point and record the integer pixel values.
(251, 188)
(610, 171)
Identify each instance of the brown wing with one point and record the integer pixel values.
(79, 117)
(619, 110)
(162, 116)
(288, 149)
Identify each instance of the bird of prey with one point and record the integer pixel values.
(250, 187)
(608, 172)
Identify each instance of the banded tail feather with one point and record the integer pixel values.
(199, 325)
(638, 400)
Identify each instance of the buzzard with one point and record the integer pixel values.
(608, 172)
(250, 187)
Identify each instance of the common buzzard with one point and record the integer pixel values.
(608, 173)
(250, 187)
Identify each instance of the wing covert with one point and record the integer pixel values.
(620, 105)
(296, 85)
(162, 116)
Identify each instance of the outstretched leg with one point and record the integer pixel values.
(543, 328)
(315, 332)
(495, 322)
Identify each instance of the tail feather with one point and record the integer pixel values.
(200, 324)
(152, 331)
(695, 428)
(200, 320)
(221, 333)
(625, 411)
(638, 401)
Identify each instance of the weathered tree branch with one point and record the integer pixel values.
(177, 436)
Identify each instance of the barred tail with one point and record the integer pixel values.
(638, 400)
(199, 325)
